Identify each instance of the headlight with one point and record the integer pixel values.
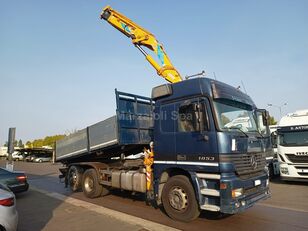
(284, 170)
(237, 192)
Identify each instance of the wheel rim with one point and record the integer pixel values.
(89, 184)
(178, 199)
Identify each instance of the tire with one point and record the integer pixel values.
(271, 174)
(105, 191)
(90, 185)
(75, 178)
(40, 161)
(179, 199)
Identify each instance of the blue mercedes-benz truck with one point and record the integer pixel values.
(202, 145)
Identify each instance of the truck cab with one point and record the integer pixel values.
(293, 146)
(194, 136)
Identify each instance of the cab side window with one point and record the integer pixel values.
(192, 118)
(188, 119)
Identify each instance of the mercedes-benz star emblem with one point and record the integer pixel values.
(253, 162)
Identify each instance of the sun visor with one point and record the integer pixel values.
(224, 91)
(161, 91)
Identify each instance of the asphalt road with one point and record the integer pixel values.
(286, 210)
(38, 211)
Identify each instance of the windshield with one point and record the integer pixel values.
(234, 115)
(293, 138)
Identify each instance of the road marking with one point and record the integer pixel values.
(282, 207)
(149, 225)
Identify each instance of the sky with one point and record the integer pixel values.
(60, 64)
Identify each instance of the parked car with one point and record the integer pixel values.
(42, 158)
(30, 158)
(16, 181)
(18, 156)
(8, 212)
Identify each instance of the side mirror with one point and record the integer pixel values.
(266, 118)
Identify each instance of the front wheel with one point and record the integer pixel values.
(90, 185)
(179, 199)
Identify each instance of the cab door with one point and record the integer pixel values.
(195, 136)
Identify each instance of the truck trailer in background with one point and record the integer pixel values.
(293, 146)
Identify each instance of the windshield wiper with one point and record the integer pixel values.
(237, 128)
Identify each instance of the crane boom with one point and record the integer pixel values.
(141, 37)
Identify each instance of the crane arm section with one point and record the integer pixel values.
(141, 37)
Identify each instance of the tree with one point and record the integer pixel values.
(17, 143)
(47, 141)
(20, 144)
(272, 120)
(224, 119)
(29, 144)
(37, 143)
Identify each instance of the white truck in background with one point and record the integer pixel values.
(3, 151)
(292, 147)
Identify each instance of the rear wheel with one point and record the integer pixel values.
(179, 199)
(90, 185)
(75, 178)
(105, 191)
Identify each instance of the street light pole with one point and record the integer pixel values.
(277, 106)
(10, 148)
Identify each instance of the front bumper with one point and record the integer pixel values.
(297, 172)
(254, 189)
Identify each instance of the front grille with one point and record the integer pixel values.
(252, 190)
(246, 164)
(301, 167)
(297, 159)
(303, 173)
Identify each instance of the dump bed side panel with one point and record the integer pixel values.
(103, 134)
(135, 119)
(73, 145)
(129, 131)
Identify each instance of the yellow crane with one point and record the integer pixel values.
(141, 37)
